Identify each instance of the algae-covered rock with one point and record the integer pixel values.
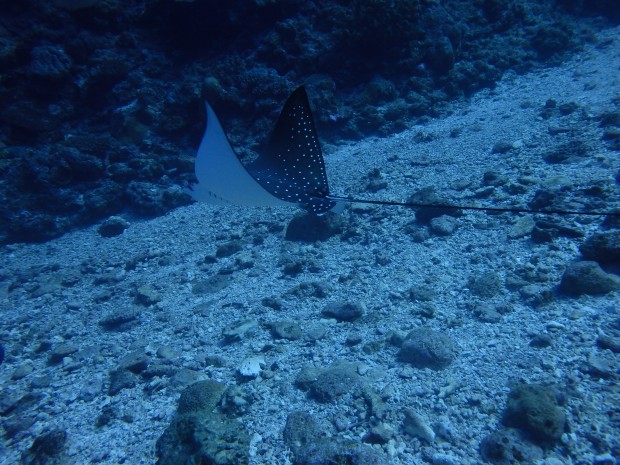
(425, 348)
(201, 432)
(534, 409)
(203, 395)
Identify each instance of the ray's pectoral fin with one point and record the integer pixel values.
(292, 167)
(222, 178)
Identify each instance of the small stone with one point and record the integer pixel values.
(344, 311)
(289, 330)
(601, 367)
(135, 362)
(239, 330)
(120, 320)
(379, 434)
(522, 227)
(147, 295)
(21, 371)
(212, 285)
(502, 146)
(487, 313)
(541, 341)
(121, 379)
(251, 367)
(416, 426)
(61, 351)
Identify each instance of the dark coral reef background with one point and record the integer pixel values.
(101, 100)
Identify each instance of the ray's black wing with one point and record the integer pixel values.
(292, 168)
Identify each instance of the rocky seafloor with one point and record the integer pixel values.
(101, 100)
(378, 336)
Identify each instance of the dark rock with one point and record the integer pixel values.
(588, 277)
(567, 153)
(120, 320)
(534, 410)
(344, 311)
(136, 362)
(507, 447)
(50, 62)
(502, 147)
(272, 302)
(75, 166)
(160, 370)
(425, 348)
(376, 185)
(108, 413)
(541, 341)
(46, 448)
(113, 226)
(335, 381)
(311, 228)
(151, 199)
(440, 56)
(546, 230)
(121, 379)
(608, 119)
(568, 108)
(602, 247)
(551, 40)
(354, 339)
(485, 285)
(494, 178)
(104, 200)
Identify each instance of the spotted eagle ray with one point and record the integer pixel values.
(291, 171)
